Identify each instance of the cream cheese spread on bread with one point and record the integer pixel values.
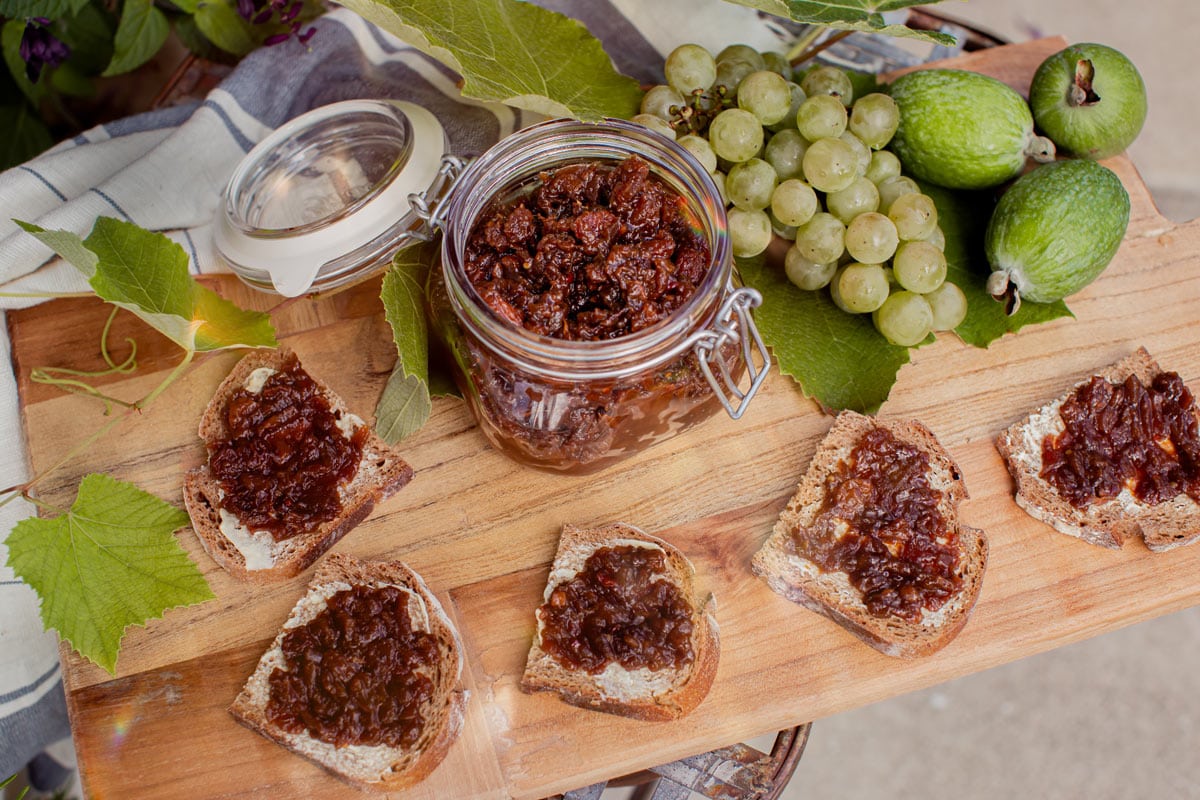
(256, 547)
(258, 379)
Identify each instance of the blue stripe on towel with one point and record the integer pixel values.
(239, 137)
(47, 183)
(25, 733)
(21, 691)
(112, 203)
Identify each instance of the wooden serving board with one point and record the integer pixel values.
(482, 531)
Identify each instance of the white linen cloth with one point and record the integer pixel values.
(165, 171)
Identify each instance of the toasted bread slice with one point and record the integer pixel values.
(255, 555)
(1164, 526)
(831, 593)
(639, 693)
(368, 766)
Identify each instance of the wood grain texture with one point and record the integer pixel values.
(482, 531)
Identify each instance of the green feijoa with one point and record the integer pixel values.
(1089, 99)
(1054, 231)
(963, 130)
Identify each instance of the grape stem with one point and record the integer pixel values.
(810, 52)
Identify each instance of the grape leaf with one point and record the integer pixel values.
(147, 273)
(141, 32)
(838, 359)
(512, 52)
(27, 135)
(963, 217)
(52, 9)
(224, 27)
(850, 15)
(108, 563)
(405, 404)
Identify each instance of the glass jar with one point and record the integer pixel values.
(579, 406)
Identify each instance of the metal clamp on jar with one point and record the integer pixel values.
(578, 406)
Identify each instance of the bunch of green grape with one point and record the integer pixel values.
(805, 160)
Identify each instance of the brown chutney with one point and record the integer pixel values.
(359, 672)
(593, 252)
(618, 609)
(879, 523)
(284, 457)
(1125, 436)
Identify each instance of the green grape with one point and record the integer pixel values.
(699, 147)
(834, 294)
(822, 239)
(821, 116)
(807, 275)
(656, 124)
(949, 306)
(765, 94)
(690, 68)
(915, 215)
(719, 179)
(749, 185)
(905, 319)
(789, 119)
(785, 152)
(749, 232)
(731, 73)
(735, 135)
(892, 188)
(861, 152)
(828, 80)
(874, 119)
(919, 266)
(777, 62)
(794, 202)
(829, 165)
(871, 238)
(782, 230)
(857, 198)
(862, 287)
(893, 285)
(884, 164)
(937, 238)
(660, 100)
(742, 52)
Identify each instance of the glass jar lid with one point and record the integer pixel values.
(324, 200)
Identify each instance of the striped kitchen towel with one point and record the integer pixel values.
(165, 170)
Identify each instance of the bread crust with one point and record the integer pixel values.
(1108, 524)
(382, 473)
(444, 716)
(831, 593)
(685, 690)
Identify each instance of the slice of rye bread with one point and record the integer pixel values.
(831, 593)
(1165, 526)
(368, 766)
(640, 693)
(381, 473)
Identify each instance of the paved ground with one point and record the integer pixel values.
(1111, 718)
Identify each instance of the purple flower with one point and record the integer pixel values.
(283, 12)
(39, 48)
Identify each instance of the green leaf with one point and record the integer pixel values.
(68, 80)
(108, 563)
(187, 6)
(963, 217)
(53, 9)
(90, 34)
(850, 15)
(24, 135)
(224, 27)
(66, 244)
(403, 298)
(512, 52)
(147, 274)
(838, 359)
(404, 407)
(140, 34)
(405, 404)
